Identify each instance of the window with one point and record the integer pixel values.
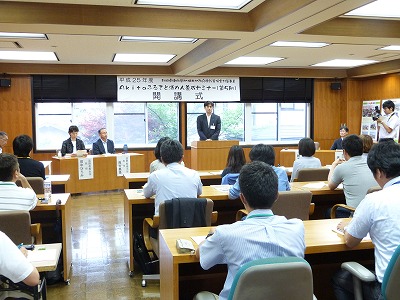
(135, 124)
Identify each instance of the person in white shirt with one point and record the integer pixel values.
(388, 124)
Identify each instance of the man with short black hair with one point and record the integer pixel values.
(388, 124)
(343, 131)
(261, 235)
(266, 154)
(352, 172)
(22, 146)
(175, 180)
(103, 145)
(208, 124)
(379, 215)
(3, 140)
(13, 197)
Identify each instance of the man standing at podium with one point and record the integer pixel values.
(208, 124)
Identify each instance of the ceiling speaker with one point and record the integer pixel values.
(5, 82)
(336, 86)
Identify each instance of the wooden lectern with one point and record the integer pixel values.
(210, 155)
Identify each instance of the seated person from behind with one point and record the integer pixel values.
(236, 160)
(266, 154)
(103, 145)
(353, 172)
(13, 197)
(343, 131)
(14, 265)
(261, 235)
(157, 164)
(379, 215)
(72, 144)
(22, 146)
(306, 160)
(367, 144)
(175, 180)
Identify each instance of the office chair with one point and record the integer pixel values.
(390, 282)
(312, 174)
(17, 225)
(277, 278)
(291, 204)
(180, 218)
(230, 178)
(36, 184)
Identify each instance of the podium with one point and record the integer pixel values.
(210, 155)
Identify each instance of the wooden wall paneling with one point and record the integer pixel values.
(354, 105)
(384, 87)
(16, 109)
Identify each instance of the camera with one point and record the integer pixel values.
(376, 114)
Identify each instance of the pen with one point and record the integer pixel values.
(20, 245)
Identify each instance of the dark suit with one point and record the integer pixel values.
(337, 144)
(98, 147)
(206, 132)
(67, 146)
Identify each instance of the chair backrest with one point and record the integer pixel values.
(17, 225)
(36, 184)
(313, 174)
(391, 279)
(192, 205)
(293, 204)
(277, 278)
(230, 178)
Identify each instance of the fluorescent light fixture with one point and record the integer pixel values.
(391, 47)
(246, 60)
(18, 35)
(380, 8)
(345, 63)
(222, 4)
(143, 58)
(155, 39)
(298, 44)
(28, 55)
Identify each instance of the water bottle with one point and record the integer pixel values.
(125, 150)
(47, 189)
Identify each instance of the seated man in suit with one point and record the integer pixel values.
(14, 265)
(103, 145)
(13, 197)
(337, 144)
(175, 180)
(22, 146)
(261, 235)
(266, 154)
(379, 215)
(208, 124)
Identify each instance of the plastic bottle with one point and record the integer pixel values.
(125, 150)
(47, 189)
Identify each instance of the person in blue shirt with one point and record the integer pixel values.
(264, 153)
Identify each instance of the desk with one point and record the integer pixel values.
(319, 238)
(46, 215)
(206, 155)
(137, 207)
(105, 172)
(47, 166)
(58, 183)
(48, 263)
(137, 180)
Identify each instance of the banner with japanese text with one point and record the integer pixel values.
(176, 89)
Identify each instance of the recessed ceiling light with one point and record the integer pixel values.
(391, 47)
(379, 8)
(19, 35)
(245, 60)
(223, 4)
(28, 55)
(298, 44)
(345, 63)
(156, 39)
(143, 58)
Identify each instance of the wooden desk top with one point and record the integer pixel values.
(59, 179)
(142, 176)
(47, 263)
(52, 205)
(324, 190)
(319, 238)
(96, 156)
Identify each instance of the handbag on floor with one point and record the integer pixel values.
(141, 255)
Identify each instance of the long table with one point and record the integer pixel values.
(46, 215)
(181, 275)
(105, 172)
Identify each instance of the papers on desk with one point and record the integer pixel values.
(366, 238)
(198, 239)
(216, 172)
(320, 185)
(222, 188)
(42, 255)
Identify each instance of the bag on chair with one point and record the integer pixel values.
(141, 255)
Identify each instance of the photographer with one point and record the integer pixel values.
(388, 124)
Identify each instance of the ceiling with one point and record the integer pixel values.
(85, 35)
